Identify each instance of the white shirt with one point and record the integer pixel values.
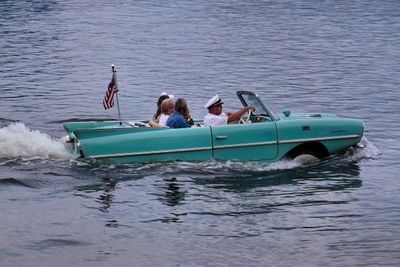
(212, 119)
(163, 120)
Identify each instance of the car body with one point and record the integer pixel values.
(263, 136)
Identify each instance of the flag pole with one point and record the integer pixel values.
(116, 93)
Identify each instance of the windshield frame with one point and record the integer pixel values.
(248, 98)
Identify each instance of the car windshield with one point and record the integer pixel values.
(252, 100)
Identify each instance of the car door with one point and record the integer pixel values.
(255, 141)
(127, 145)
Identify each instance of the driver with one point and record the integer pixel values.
(215, 116)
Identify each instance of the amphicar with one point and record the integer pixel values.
(261, 136)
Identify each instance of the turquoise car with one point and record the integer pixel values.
(260, 135)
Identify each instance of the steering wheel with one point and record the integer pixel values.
(245, 118)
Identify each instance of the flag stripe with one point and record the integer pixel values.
(108, 101)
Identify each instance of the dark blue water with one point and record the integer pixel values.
(318, 56)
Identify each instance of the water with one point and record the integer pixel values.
(317, 56)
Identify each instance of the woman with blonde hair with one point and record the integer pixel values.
(167, 108)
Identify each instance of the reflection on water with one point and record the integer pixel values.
(333, 170)
(184, 192)
(105, 198)
(174, 194)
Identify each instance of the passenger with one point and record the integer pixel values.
(178, 118)
(163, 96)
(167, 108)
(215, 115)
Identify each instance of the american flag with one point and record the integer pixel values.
(108, 101)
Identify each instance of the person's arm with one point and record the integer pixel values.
(235, 116)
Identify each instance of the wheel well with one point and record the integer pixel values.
(316, 149)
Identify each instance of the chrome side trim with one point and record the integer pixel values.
(156, 152)
(288, 141)
(318, 139)
(246, 145)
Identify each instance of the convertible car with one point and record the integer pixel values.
(260, 135)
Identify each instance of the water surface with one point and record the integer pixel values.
(309, 56)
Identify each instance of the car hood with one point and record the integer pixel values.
(293, 116)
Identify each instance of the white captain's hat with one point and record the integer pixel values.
(214, 101)
(165, 93)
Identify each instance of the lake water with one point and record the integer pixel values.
(317, 56)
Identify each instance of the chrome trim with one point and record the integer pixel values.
(223, 146)
(246, 145)
(318, 139)
(152, 152)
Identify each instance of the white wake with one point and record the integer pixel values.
(18, 141)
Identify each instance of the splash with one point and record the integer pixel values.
(364, 150)
(207, 167)
(18, 141)
(370, 150)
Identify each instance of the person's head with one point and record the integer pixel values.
(167, 106)
(181, 106)
(214, 105)
(161, 98)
